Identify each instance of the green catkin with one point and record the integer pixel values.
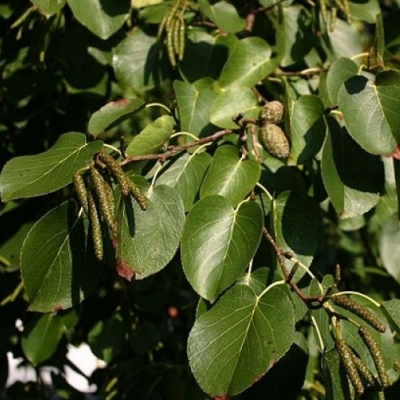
(170, 43)
(162, 25)
(346, 357)
(81, 191)
(182, 40)
(110, 197)
(116, 170)
(98, 184)
(175, 35)
(376, 355)
(138, 195)
(359, 310)
(333, 18)
(96, 228)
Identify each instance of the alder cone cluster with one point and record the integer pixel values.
(271, 136)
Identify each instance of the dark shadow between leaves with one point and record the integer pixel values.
(114, 8)
(356, 84)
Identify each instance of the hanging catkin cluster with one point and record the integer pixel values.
(173, 24)
(270, 135)
(358, 374)
(96, 196)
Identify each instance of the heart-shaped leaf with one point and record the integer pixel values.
(145, 71)
(344, 167)
(371, 111)
(152, 137)
(240, 339)
(218, 243)
(56, 271)
(147, 240)
(230, 176)
(185, 175)
(101, 17)
(231, 103)
(113, 114)
(43, 173)
(248, 63)
(194, 107)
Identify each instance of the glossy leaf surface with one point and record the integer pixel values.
(56, 271)
(147, 240)
(370, 111)
(230, 176)
(240, 339)
(46, 172)
(185, 175)
(102, 17)
(151, 138)
(113, 113)
(218, 243)
(344, 164)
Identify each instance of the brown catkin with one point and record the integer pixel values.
(96, 228)
(363, 370)
(109, 192)
(346, 356)
(138, 195)
(376, 355)
(98, 184)
(81, 191)
(274, 140)
(359, 310)
(271, 113)
(116, 170)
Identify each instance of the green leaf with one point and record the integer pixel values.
(371, 111)
(297, 226)
(344, 41)
(224, 15)
(152, 137)
(230, 176)
(248, 63)
(218, 243)
(388, 246)
(147, 240)
(185, 175)
(231, 103)
(49, 7)
(41, 337)
(340, 70)
(240, 339)
(11, 249)
(294, 35)
(364, 10)
(43, 173)
(198, 60)
(307, 128)
(56, 272)
(194, 107)
(344, 168)
(113, 114)
(101, 17)
(145, 72)
(107, 338)
(392, 310)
